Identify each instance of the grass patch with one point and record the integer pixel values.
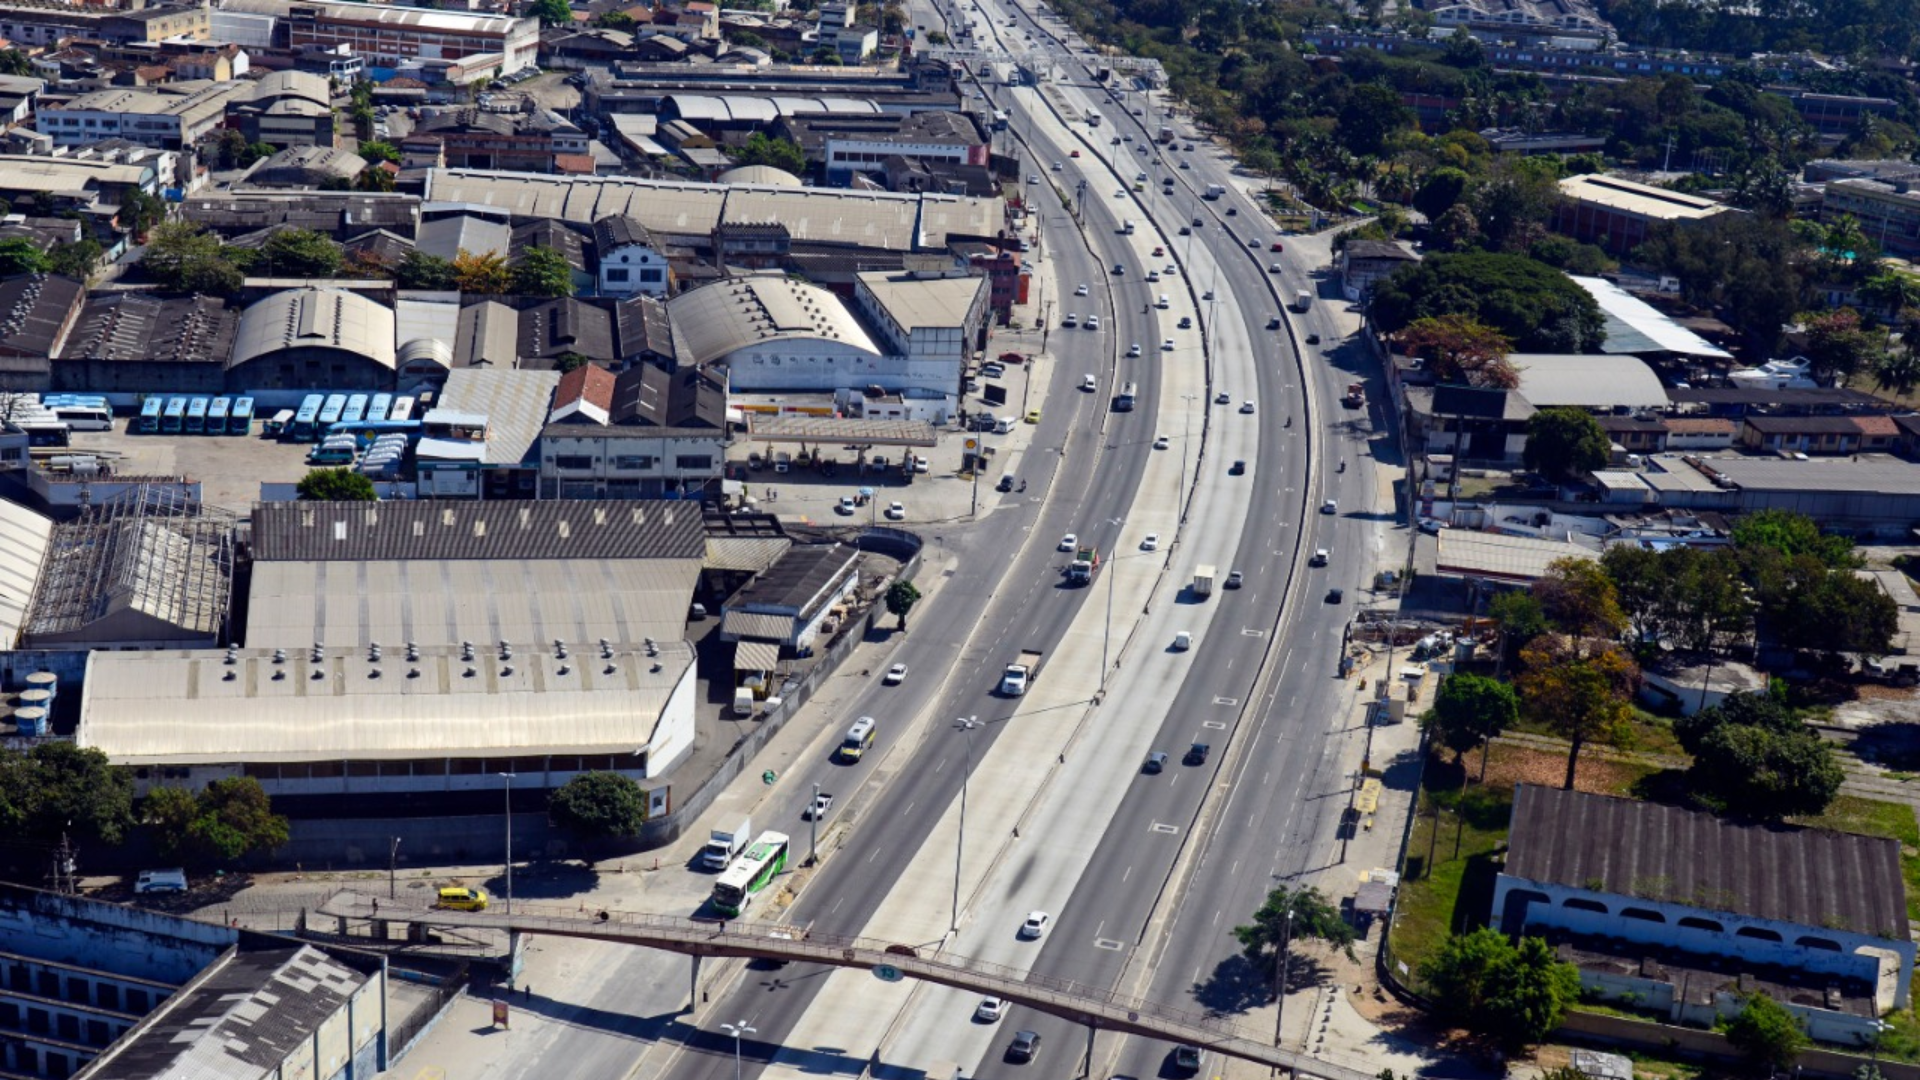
(1447, 857)
(1872, 817)
(1646, 733)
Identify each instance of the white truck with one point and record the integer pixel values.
(1302, 300)
(723, 845)
(1214, 191)
(743, 701)
(1203, 582)
(1021, 673)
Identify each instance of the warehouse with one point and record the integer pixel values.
(313, 339)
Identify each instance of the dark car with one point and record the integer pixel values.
(1233, 211)
(1155, 762)
(1313, 339)
(1024, 1046)
(1006, 482)
(1238, 468)
(1186, 1060)
(1197, 754)
(1334, 596)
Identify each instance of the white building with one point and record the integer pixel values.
(631, 262)
(168, 117)
(930, 324)
(775, 333)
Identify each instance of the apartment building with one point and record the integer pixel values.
(49, 25)
(388, 35)
(170, 117)
(1888, 211)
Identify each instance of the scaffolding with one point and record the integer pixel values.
(150, 565)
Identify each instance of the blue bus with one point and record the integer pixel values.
(307, 419)
(150, 414)
(217, 415)
(378, 410)
(197, 416)
(402, 408)
(330, 412)
(175, 418)
(240, 417)
(356, 409)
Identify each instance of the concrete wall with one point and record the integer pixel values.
(1668, 1040)
(125, 940)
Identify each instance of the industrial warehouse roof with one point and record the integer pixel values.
(1496, 555)
(702, 110)
(73, 177)
(194, 707)
(880, 219)
(528, 601)
(465, 22)
(24, 536)
(315, 318)
(1808, 877)
(763, 175)
(833, 429)
(761, 309)
(514, 402)
(1638, 200)
(918, 303)
(499, 529)
(1635, 326)
(1589, 382)
(797, 584)
(143, 327)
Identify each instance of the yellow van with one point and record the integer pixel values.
(462, 899)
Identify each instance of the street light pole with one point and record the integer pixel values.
(1106, 642)
(813, 826)
(509, 777)
(1280, 991)
(737, 1030)
(965, 727)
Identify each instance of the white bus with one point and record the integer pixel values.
(753, 871)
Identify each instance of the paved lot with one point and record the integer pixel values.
(231, 468)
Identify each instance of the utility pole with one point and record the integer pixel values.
(813, 826)
(965, 727)
(393, 859)
(63, 867)
(508, 777)
(1280, 990)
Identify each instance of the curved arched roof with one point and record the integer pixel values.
(315, 318)
(764, 175)
(716, 320)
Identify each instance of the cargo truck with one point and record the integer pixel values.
(1202, 582)
(1021, 673)
(1085, 562)
(1214, 191)
(723, 845)
(1302, 300)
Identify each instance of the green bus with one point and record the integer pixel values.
(764, 860)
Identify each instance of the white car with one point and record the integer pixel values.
(1089, 383)
(1160, 443)
(990, 1009)
(1071, 318)
(1134, 350)
(1120, 193)
(1330, 507)
(1068, 542)
(1140, 178)
(1081, 291)
(1274, 268)
(1036, 924)
(817, 809)
(1151, 543)
(1058, 166)
(1246, 406)
(896, 675)
(1167, 345)
(1093, 322)
(1319, 557)
(896, 512)
(1171, 270)
(920, 463)
(844, 506)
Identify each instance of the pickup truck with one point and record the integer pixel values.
(1021, 673)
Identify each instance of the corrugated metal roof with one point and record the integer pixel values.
(24, 536)
(183, 707)
(315, 318)
(756, 655)
(501, 529)
(924, 303)
(745, 553)
(751, 625)
(1635, 326)
(1808, 877)
(1592, 382)
(1513, 558)
(514, 402)
(437, 602)
(717, 320)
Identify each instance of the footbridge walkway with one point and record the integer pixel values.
(356, 914)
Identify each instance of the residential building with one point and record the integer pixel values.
(1008, 279)
(1888, 211)
(846, 144)
(1618, 214)
(1363, 262)
(172, 117)
(94, 188)
(1819, 434)
(1685, 881)
(631, 261)
(751, 245)
(50, 24)
(389, 34)
(932, 325)
(18, 94)
(557, 236)
(478, 139)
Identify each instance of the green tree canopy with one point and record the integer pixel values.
(901, 596)
(1840, 345)
(299, 253)
(76, 260)
(1533, 305)
(1471, 709)
(18, 255)
(1767, 1035)
(1749, 269)
(1581, 694)
(552, 12)
(542, 271)
(1682, 594)
(226, 820)
(779, 153)
(597, 806)
(1789, 533)
(1515, 994)
(1461, 349)
(140, 212)
(336, 485)
(1441, 188)
(1764, 772)
(1565, 443)
(183, 258)
(419, 270)
(1314, 916)
(58, 788)
(377, 150)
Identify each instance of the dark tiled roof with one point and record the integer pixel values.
(644, 328)
(798, 580)
(649, 395)
(334, 213)
(619, 230)
(1807, 425)
(380, 244)
(502, 529)
(548, 233)
(1378, 249)
(1470, 401)
(557, 327)
(1808, 877)
(141, 326)
(36, 311)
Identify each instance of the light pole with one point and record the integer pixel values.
(1186, 440)
(1280, 992)
(966, 727)
(813, 826)
(738, 1030)
(508, 777)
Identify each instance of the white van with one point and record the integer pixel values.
(1003, 426)
(1163, 303)
(743, 701)
(1182, 641)
(161, 881)
(1127, 227)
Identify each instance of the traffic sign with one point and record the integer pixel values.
(887, 973)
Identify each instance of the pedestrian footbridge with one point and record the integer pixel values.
(355, 913)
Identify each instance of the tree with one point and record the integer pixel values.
(1515, 200)
(599, 806)
(1765, 774)
(419, 270)
(1537, 308)
(1840, 345)
(542, 271)
(1766, 1034)
(1789, 533)
(299, 253)
(19, 256)
(1313, 917)
(58, 789)
(183, 258)
(1565, 443)
(1456, 229)
(1369, 116)
(1440, 189)
(1579, 599)
(1891, 291)
(617, 20)
(1470, 710)
(1581, 696)
(1520, 618)
(779, 153)
(1460, 349)
(901, 596)
(226, 820)
(377, 150)
(77, 260)
(552, 12)
(227, 148)
(1485, 983)
(141, 212)
(486, 272)
(1750, 269)
(15, 62)
(336, 485)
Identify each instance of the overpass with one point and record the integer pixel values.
(356, 914)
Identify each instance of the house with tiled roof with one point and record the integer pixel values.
(584, 396)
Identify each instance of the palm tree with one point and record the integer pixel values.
(1891, 291)
(1899, 370)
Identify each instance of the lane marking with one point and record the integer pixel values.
(1168, 829)
(1226, 701)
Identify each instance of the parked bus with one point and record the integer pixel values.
(306, 421)
(330, 412)
(197, 415)
(356, 410)
(858, 741)
(175, 418)
(217, 412)
(240, 417)
(81, 413)
(753, 871)
(378, 409)
(150, 414)
(1126, 398)
(402, 408)
(278, 425)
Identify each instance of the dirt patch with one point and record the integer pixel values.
(1514, 764)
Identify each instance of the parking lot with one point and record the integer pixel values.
(230, 468)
